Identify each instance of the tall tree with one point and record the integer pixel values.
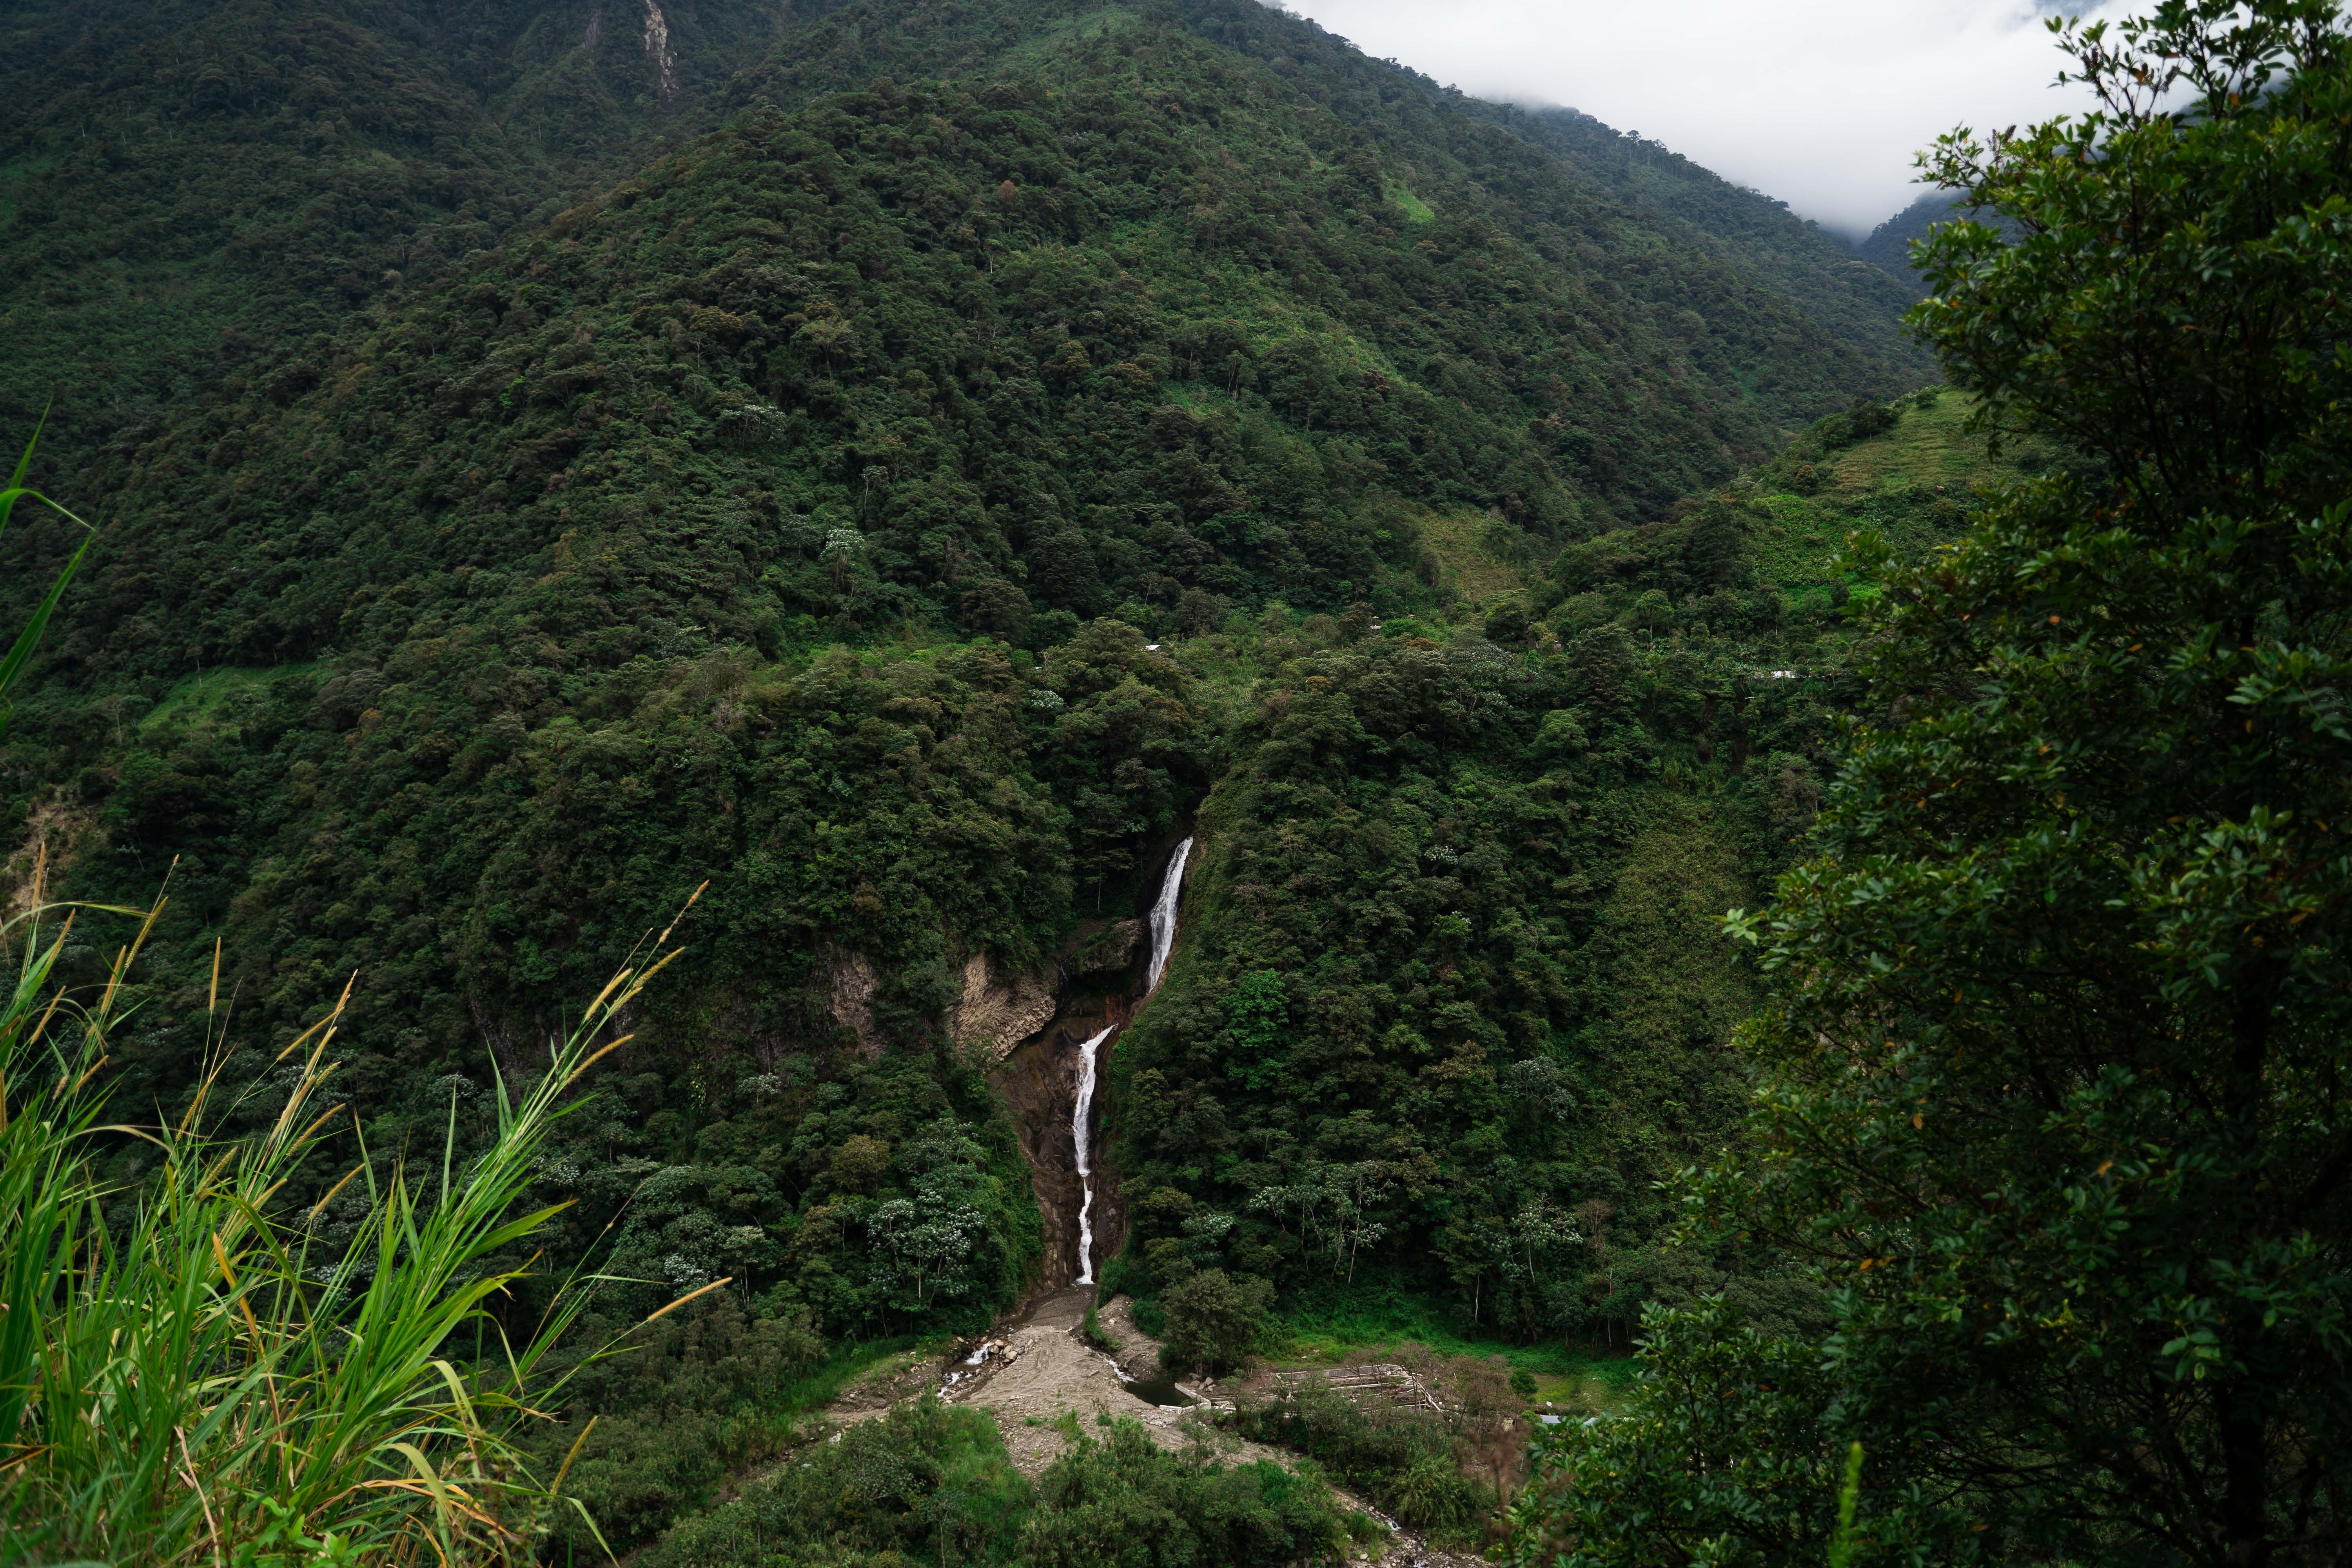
(2055, 1093)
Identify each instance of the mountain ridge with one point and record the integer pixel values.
(316, 159)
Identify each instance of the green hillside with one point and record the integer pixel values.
(676, 595)
(1859, 299)
(1450, 936)
(825, 377)
(1455, 937)
(186, 186)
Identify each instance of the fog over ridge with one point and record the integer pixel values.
(1818, 102)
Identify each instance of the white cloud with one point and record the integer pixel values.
(1819, 102)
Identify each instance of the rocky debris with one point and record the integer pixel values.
(52, 833)
(1034, 1372)
(1041, 1373)
(996, 1011)
(901, 1377)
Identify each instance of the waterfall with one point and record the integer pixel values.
(1163, 938)
(1163, 917)
(1081, 1124)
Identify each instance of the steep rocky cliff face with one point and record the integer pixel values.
(1104, 974)
(998, 1009)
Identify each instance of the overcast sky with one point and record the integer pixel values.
(1819, 102)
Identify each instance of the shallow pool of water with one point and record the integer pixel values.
(1157, 1391)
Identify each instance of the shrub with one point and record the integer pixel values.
(1214, 1320)
(1124, 1501)
(1432, 1493)
(1372, 1448)
(662, 1414)
(925, 1481)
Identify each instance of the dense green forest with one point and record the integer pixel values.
(1861, 301)
(1889, 245)
(890, 508)
(1453, 1012)
(795, 517)
(2048, 1126)
(847, 487)
(187, 190)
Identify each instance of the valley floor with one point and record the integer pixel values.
(1037, 1375)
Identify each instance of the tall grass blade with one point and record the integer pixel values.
(20, 652)
(1841, 1545)
(184, 1380)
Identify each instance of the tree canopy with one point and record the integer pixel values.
(2051, 1102)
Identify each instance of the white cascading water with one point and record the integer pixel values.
(1163, 917)
(1163, 938)
(1079, 1125)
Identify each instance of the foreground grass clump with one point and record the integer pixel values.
(186, 1377)
(20, 651)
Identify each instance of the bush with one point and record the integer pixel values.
(927, 1481)
(1372, 1448)
(1432, 1494)
(1124, 1501)
(686, 1400)
(1214, 1319)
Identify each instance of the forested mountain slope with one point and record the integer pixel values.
(184, 184)
(1752, 234)
(1889, 245)
(1861, 300)
(1159, 335)
(1453, 998)
(905, 509)
(182, 187)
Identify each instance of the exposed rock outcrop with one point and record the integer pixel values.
(50, 835)
(1039, 1081)
(657, 50)
(997, 1011)
(853, 978)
